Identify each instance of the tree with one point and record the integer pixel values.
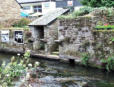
(98, 3)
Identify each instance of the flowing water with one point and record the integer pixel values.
(56, 69)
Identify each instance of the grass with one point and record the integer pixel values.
(24, 27)
(16, 28)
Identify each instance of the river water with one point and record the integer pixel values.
(57, 69)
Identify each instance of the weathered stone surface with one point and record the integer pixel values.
(83, 38)
(9, 12)
(50, 34)
(12, 46)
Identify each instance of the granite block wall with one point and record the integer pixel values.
(9, 12)
(78, 36)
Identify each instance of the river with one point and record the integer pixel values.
(57, 69)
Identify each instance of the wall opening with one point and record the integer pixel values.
(72, 62)
(40, 38)
(41, 33)
(55, 49)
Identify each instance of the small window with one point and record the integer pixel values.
(19, 36)
(59, 0)
(5, 35)
(26, 8)
(37, 8)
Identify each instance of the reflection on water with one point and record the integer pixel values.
(95, 77)
(5, 57)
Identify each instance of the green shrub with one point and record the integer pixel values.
(86, 10)
(109, 63)
(85, 58)
(66, 16)
(80, 12)
(112, 39)
(14, 69)
(22, 22)
(77, 13)
(98, 3)
(104, 27)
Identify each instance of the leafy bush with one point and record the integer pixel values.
(22, 22)
(112, 39)
(80, 12)
(86, 10)
(66, 16)
(98, 3)
(109, 63)
(85, 58)
(8, 72)
(104, 27)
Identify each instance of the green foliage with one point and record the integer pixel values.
(85, 58)
(110, 11)
(109, 63)
(10, 71)
(70, 16)
(112, 39)
(82, 11)
(27, 54)
(22, 22)
(98, 3)
(104, 27)
(14, 69)
(86, 10)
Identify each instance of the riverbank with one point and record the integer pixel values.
(67, 59)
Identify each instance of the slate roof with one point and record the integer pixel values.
(29, 1)
(48, 18)
(63, 3)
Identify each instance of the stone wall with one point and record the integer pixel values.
(78, 36)
(12, 45)
(35, 35)
(9, 12)
(75, 35)
(50, 35)
(103, 16)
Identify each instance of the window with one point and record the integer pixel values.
(47, 5)
(18, 36)
(26, 8)
(59, 0)
(37, 8)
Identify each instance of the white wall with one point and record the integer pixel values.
(46, 7)
(31, 7)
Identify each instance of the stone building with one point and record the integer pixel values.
(45, 31)
(9, 12)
